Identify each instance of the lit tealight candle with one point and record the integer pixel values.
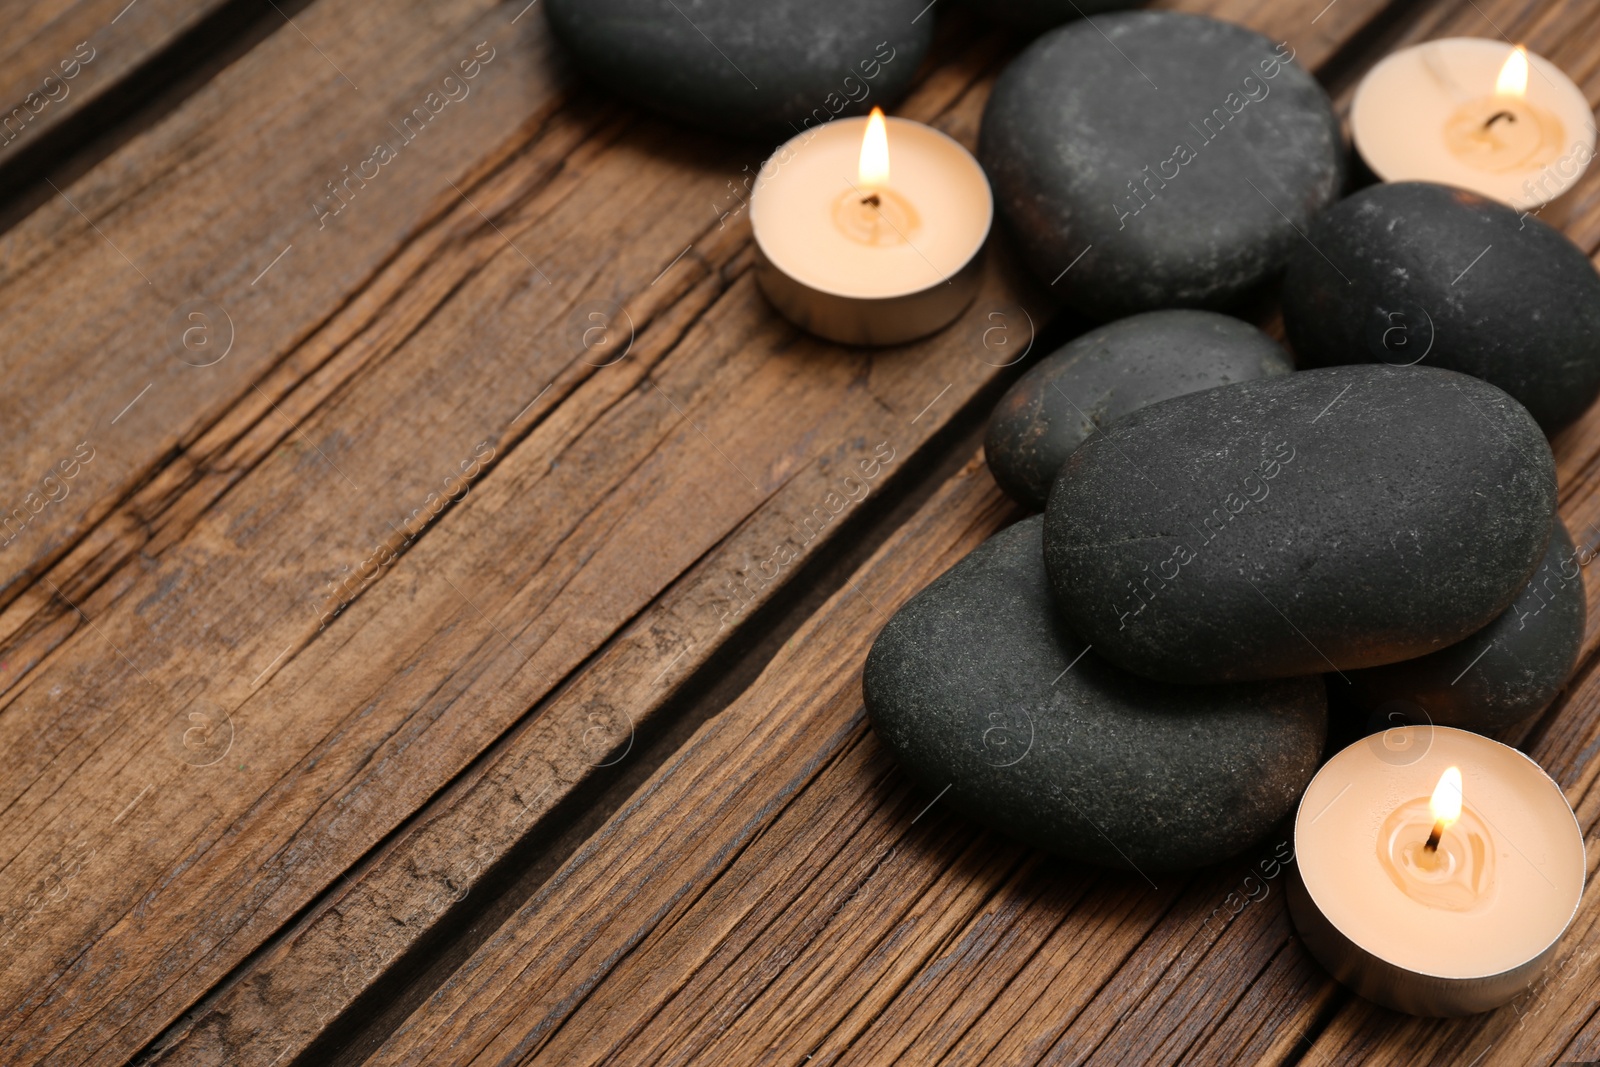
(1436, 870)
(1470, 112)
(869, 229)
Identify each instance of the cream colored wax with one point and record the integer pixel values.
(1437, 112)
(816, 222)
(1507, 876)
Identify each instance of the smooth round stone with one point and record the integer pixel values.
(1109, 372)
(977, 684)
(1153, 190)
(738, 67)
(1043, 14)
(1418, 274)
(1510, 670)
(1338, 518)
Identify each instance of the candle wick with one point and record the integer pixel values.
(871, 199)
(1433, 838)
(1497, 116)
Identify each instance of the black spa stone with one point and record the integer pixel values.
(977, 684)
(1109, 372)
(1125, 198)
(740, 67)
(1329, 519)
(1415, 273)
(1510, 670)
(1042, 14)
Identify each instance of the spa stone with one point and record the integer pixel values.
(1329, 519)
(1508, 671)
(1151, 159)
(1038, 15)
(1109, 372)
(976, 684)
(1412, 273)
(735, 67)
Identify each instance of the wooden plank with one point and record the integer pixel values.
(59, 58)
(802, 718)
(162, 222)
(59, 701)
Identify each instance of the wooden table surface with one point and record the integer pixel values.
(432, 614)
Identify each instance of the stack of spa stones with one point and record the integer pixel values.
(1229, 546)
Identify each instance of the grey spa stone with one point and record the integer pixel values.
(737, 67)
(1418, 274)
(1506, 672)
(1329, 519)
(1150, 159)
(1109, 372)
(1042, 14)
(977, 684)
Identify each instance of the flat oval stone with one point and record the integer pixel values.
(1508, 671)
(1338, 518)
(977, 684)
(734, 67)
(1042, 14)
(1414, 273)
(1109, 372)
(1127, 199)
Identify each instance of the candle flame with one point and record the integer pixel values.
(1513, 80)
(1446, 801)
(874, 167)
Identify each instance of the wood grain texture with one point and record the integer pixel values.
(197, 208)
(58, 58)
(769, 833)
(410, 694)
